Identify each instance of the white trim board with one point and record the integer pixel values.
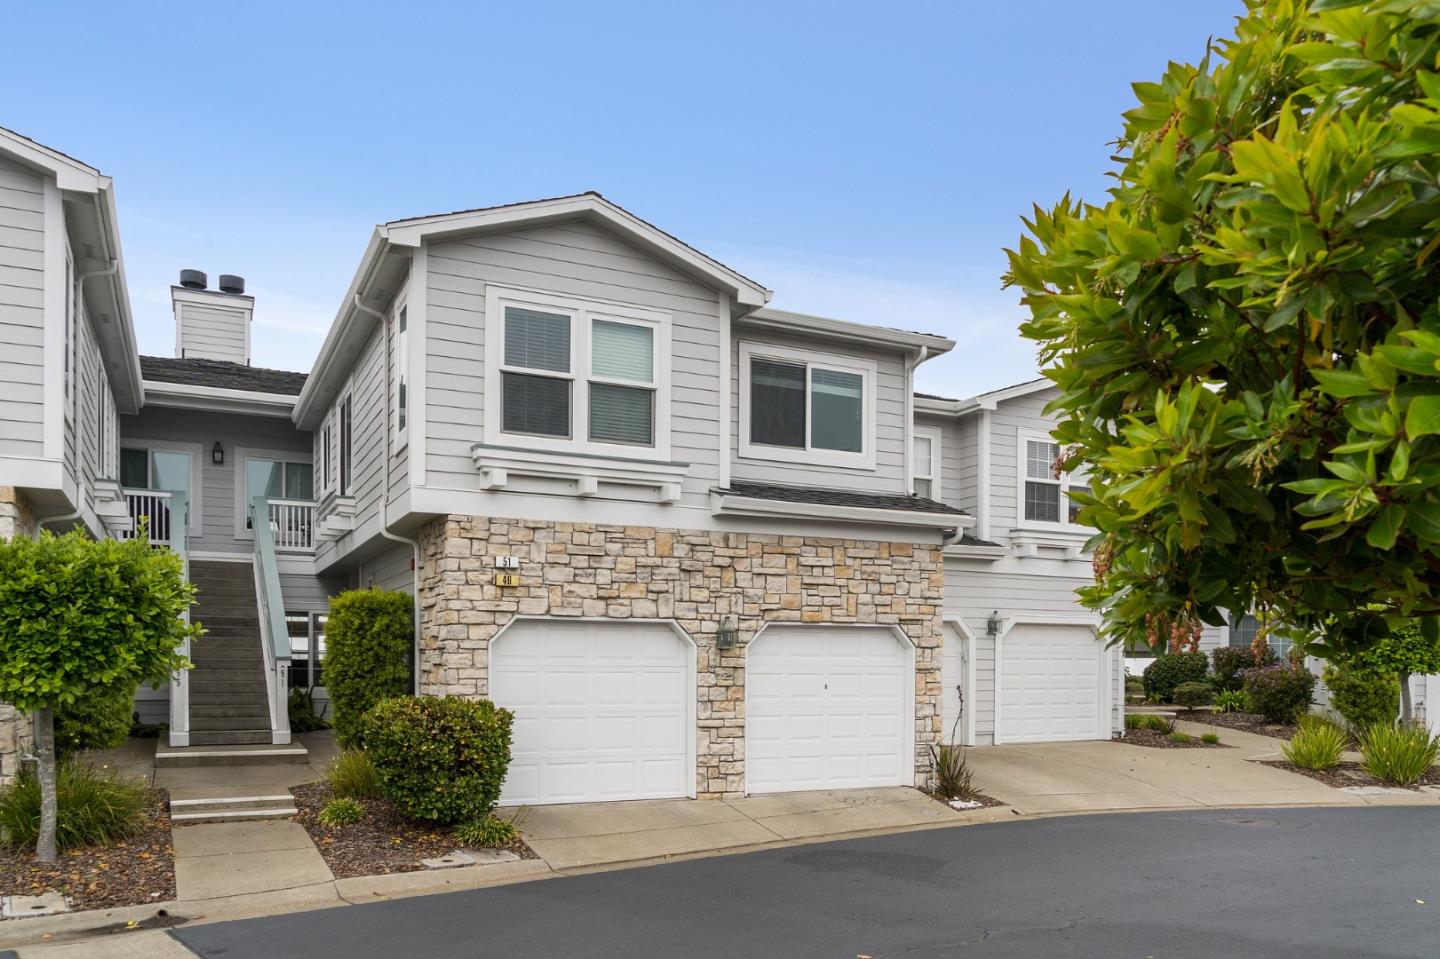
(1039, 619)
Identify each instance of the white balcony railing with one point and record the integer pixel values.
(292, 525)
(152, 506)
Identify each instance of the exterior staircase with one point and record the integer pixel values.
(228, 699)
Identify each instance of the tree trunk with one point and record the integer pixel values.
(1405, 705)
(45, 749)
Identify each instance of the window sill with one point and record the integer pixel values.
(497, 464)
(1029, 540)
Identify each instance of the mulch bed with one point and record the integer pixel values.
(1158, 740)
(1350, 774)
(130, 872)
(383, 842)
(984, 800)
(1246, 722)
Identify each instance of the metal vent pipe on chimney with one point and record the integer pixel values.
(229, 283)
(193, 279)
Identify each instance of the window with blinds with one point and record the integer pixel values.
(536, 374)
(1044, 494)
(622, 383)
(809, 406)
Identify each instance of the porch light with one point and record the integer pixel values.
(725, 639)
(217, 454)
(994, 624)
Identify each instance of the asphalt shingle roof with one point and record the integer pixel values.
(830, 497)
(220, 374)
(967, 540)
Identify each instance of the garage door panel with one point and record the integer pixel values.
(826, 708)
(602, 710)
(1050, 684)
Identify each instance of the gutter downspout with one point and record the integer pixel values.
(922, 353)
(414, 544)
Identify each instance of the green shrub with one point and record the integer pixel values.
(1317, 744)
(1193, 695)
(100, 720)
(368, 638)
(1210, 739)
(341, 811)
(94, 806)
(303, 718)
(1230, 661)
(353, 775)
(1233, 701)
(1160, 724)
(952, 771)
(489, 832)
(1363, 696)
(1398, 754)
(1162, 676)
(1181, 738)
(1279, 692)
(439, 759)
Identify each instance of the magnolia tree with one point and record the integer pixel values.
(1245, 334)
(81, 618)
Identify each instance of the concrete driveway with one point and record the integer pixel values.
(1051, 778)
(597, 835)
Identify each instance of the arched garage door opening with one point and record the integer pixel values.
(603, 710)
(1052, 680)
(829, 707)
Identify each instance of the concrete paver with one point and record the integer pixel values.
(219, 839)
(214, 860)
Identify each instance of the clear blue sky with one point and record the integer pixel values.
(865, 161)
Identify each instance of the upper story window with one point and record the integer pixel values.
(577, 376)
(806, 407)
(1243, 630)
(925, 462)
(1043, 499)
(400, 400)
(327, 472)
(346, 445)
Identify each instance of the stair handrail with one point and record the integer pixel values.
(274, 634)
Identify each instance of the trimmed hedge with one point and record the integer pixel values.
(1170, 670)
(1231, 661)
(440, 759)
(368, 641)
(1279, 692)
(1363, 697)
(100, 720)
(1193, 695)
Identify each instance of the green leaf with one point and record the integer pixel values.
(1386, 527)
(1343, 383)
(1423, 417)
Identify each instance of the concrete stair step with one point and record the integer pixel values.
(232, 809)
(255, 754)
(231, 737)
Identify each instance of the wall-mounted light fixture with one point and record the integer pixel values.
(726, 637)
(217, 454)
(994, 624)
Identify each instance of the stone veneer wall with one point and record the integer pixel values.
(696, 578)
(17, 735)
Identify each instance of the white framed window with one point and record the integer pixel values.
(327, 472)
(400, 397)
(106, 436)
(70, 351)
(806, 407)
(347, 445)
(1243, 629)
(577, 376)
(925, 462)
(1042, 495)
(167, 466)
(275, 474)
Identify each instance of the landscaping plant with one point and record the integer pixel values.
(1364, 697)
(488, 833)
(1402, 652)
(1398, 753)
(1230, 661)
(1210, 739)
(368, 637)
(1245, 333)
(1180, 738)
(953, 774)
(1317, 744)
(98, 721)
(439, 758)
(95, 806)
(1233, 701)
(1170, 670)
(341, 811)
(1160, 724)
(353, 775)
(84, 619)
(1279, 692)
(303, 718)
(1193, 695)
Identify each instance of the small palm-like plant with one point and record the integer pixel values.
(1317, 744)
(1232, 701)
(1399, 754)
(353, 775)
(341, 812)
(488, 833)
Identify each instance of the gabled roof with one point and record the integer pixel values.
(221, 375)
(930, 403)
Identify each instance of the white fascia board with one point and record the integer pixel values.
(929, 404)
(989, 401)
(824, 326)
(732, 505)
(69, 173)
(311, 403)
(191, 397)
(748, 294)
(33, 472)
(128, 390)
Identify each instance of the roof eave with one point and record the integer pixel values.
(218, 399)
(309, 404)
(853, 332)
(732, 504)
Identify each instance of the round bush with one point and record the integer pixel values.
(1193, 695)
(368, 639)
(1231, 661)
(1279, 692)
(439, 759)
(1162, 676)
(1363, 697)
(97, 721)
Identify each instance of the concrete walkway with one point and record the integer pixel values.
(1055, 778)
(600, 835)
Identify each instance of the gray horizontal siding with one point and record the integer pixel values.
(573, 259)
(1006, 422)
(889, 439)
(213, 333)
(389, 569)
(22, 314)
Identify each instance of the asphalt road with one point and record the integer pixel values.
(1312, 883)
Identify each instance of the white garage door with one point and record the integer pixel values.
(828, 707)
(1050, 684)
(602, 711)
(953, 679)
